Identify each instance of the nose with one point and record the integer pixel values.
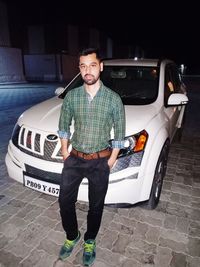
(88, 69)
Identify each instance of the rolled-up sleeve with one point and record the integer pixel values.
(118, 124)
(65, 119)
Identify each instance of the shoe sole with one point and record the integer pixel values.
(90, 264)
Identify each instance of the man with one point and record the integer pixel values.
(95, 110)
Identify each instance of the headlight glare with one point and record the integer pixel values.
(130, 142)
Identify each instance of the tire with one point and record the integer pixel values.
(160, 172)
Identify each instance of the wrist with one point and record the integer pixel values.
(65, 152)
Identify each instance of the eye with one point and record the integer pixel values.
(93, 65)
(82, 67)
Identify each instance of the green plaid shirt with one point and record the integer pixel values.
(93, 119)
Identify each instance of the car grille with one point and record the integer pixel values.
(36, 144)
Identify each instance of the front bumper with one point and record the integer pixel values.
(125, 181)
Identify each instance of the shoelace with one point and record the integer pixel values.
(68, 243)
(89, 247)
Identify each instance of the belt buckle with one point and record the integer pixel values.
(89, 156)
(86, 156)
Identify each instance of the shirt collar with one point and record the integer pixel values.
(101, 88)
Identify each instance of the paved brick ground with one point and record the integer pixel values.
(169, 236)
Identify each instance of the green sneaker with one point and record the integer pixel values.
(67, 248)
(89, 253)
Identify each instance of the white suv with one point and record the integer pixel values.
(154, 98)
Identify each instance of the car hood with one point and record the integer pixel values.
(138, 117)
(45, 116)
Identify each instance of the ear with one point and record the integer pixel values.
(101, 66)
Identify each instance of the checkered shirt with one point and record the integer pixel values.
(93, 119)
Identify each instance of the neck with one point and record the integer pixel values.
(93, 88)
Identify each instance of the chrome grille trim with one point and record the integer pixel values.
(35, 143)
(28, 140)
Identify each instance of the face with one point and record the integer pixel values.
(90, 68)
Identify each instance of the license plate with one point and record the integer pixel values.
(41, 186)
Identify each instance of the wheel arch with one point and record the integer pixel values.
(160, 140)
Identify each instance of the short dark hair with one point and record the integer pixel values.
(88, 51)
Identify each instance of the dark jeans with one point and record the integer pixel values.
(97, 173)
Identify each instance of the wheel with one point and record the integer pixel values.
(158, 178)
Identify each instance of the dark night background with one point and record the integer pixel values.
(166, 29)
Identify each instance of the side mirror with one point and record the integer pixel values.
(59, 91)
(177, 99)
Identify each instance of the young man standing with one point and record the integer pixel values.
(95, 110)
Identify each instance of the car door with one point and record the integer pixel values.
(172, 85)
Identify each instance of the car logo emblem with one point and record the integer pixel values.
(52, 137)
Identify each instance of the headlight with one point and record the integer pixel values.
(130, 142)
(15, 135)
(134, 143)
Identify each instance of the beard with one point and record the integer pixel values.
(90, 79)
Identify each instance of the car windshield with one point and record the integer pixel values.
(135, 84)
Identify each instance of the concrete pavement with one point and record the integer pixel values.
(169, 236)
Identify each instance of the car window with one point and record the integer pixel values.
(169, 87)
(176, 78)
(135, 85)
(172, 81)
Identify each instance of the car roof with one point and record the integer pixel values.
(133, 62)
